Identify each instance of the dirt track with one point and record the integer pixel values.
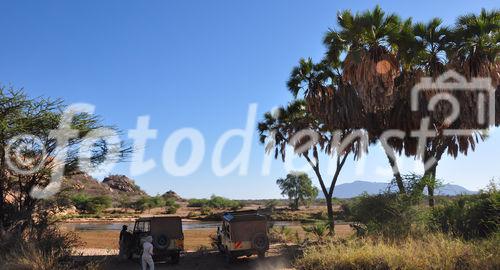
(276, 259)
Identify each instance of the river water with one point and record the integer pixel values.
(117, 226)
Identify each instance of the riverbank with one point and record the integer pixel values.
(195, 214)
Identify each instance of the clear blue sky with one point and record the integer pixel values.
(196, 64)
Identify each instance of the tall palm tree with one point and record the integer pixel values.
(370, 65)
(476, 51)
(434, 40)
(281, 129)
(374, 60)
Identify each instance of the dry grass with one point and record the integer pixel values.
(430, 252)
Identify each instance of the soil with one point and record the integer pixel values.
(277, 258)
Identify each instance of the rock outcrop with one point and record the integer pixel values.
(115, 186)
(172, 195)
(122, 183)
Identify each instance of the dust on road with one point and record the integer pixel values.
(276, 259)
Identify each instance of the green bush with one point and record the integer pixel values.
(216, 202)
(147, 203)
(91, 205)
(470, 217)
(171, 206)
(271, 204)
(197, 202)
(318, 230)
(387, 214)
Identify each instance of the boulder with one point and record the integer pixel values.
(122, 183)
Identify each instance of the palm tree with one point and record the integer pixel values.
(282, 128)
(374, 60)
(476, 49)
(370, 65)
(433, 39)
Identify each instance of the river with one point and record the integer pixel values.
(117, 226)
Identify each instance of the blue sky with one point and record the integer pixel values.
(197, 64)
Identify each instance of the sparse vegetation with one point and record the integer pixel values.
(318, 230)
(171, 206)
(215, 202)
(91, 205)
(435, 251)
(147, 203)
(469, 217)
(299, 189)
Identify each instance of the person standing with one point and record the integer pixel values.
(123, 241)
(147, 254)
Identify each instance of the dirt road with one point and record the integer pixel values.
(277, 258)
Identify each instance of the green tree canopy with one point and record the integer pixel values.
(298, 187)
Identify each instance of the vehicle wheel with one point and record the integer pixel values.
(261, 255)
(162, 242)
(175, 258)
(260, 242)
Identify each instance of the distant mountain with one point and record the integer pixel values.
(356, 188)
(451, 190)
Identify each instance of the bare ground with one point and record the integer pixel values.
(278, 257)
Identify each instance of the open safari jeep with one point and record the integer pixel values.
(168, 239)
(243, 234)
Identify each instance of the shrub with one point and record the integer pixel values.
(216, 202)
(470, 217)
(388, 214)
(206, 211)
(91, 205)
(280, 234)
(271, 205)
(197, 202)
(318, 230)
(43, 249)
(171, 206)
(147, 203)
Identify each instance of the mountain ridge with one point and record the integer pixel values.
(356, 188)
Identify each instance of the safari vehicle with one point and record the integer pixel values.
(243, 234)
(168, 239)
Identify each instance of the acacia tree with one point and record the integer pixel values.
(298, 187)
(294, 126)
(29, 161)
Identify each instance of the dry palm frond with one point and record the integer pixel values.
(372, 74)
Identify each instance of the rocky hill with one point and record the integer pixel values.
(172, 195)
(115, 186)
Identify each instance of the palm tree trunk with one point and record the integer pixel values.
(431, 174)
(329, 192)
(397, 175)
(331, 218)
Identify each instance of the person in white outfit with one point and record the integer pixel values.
(147, 254)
